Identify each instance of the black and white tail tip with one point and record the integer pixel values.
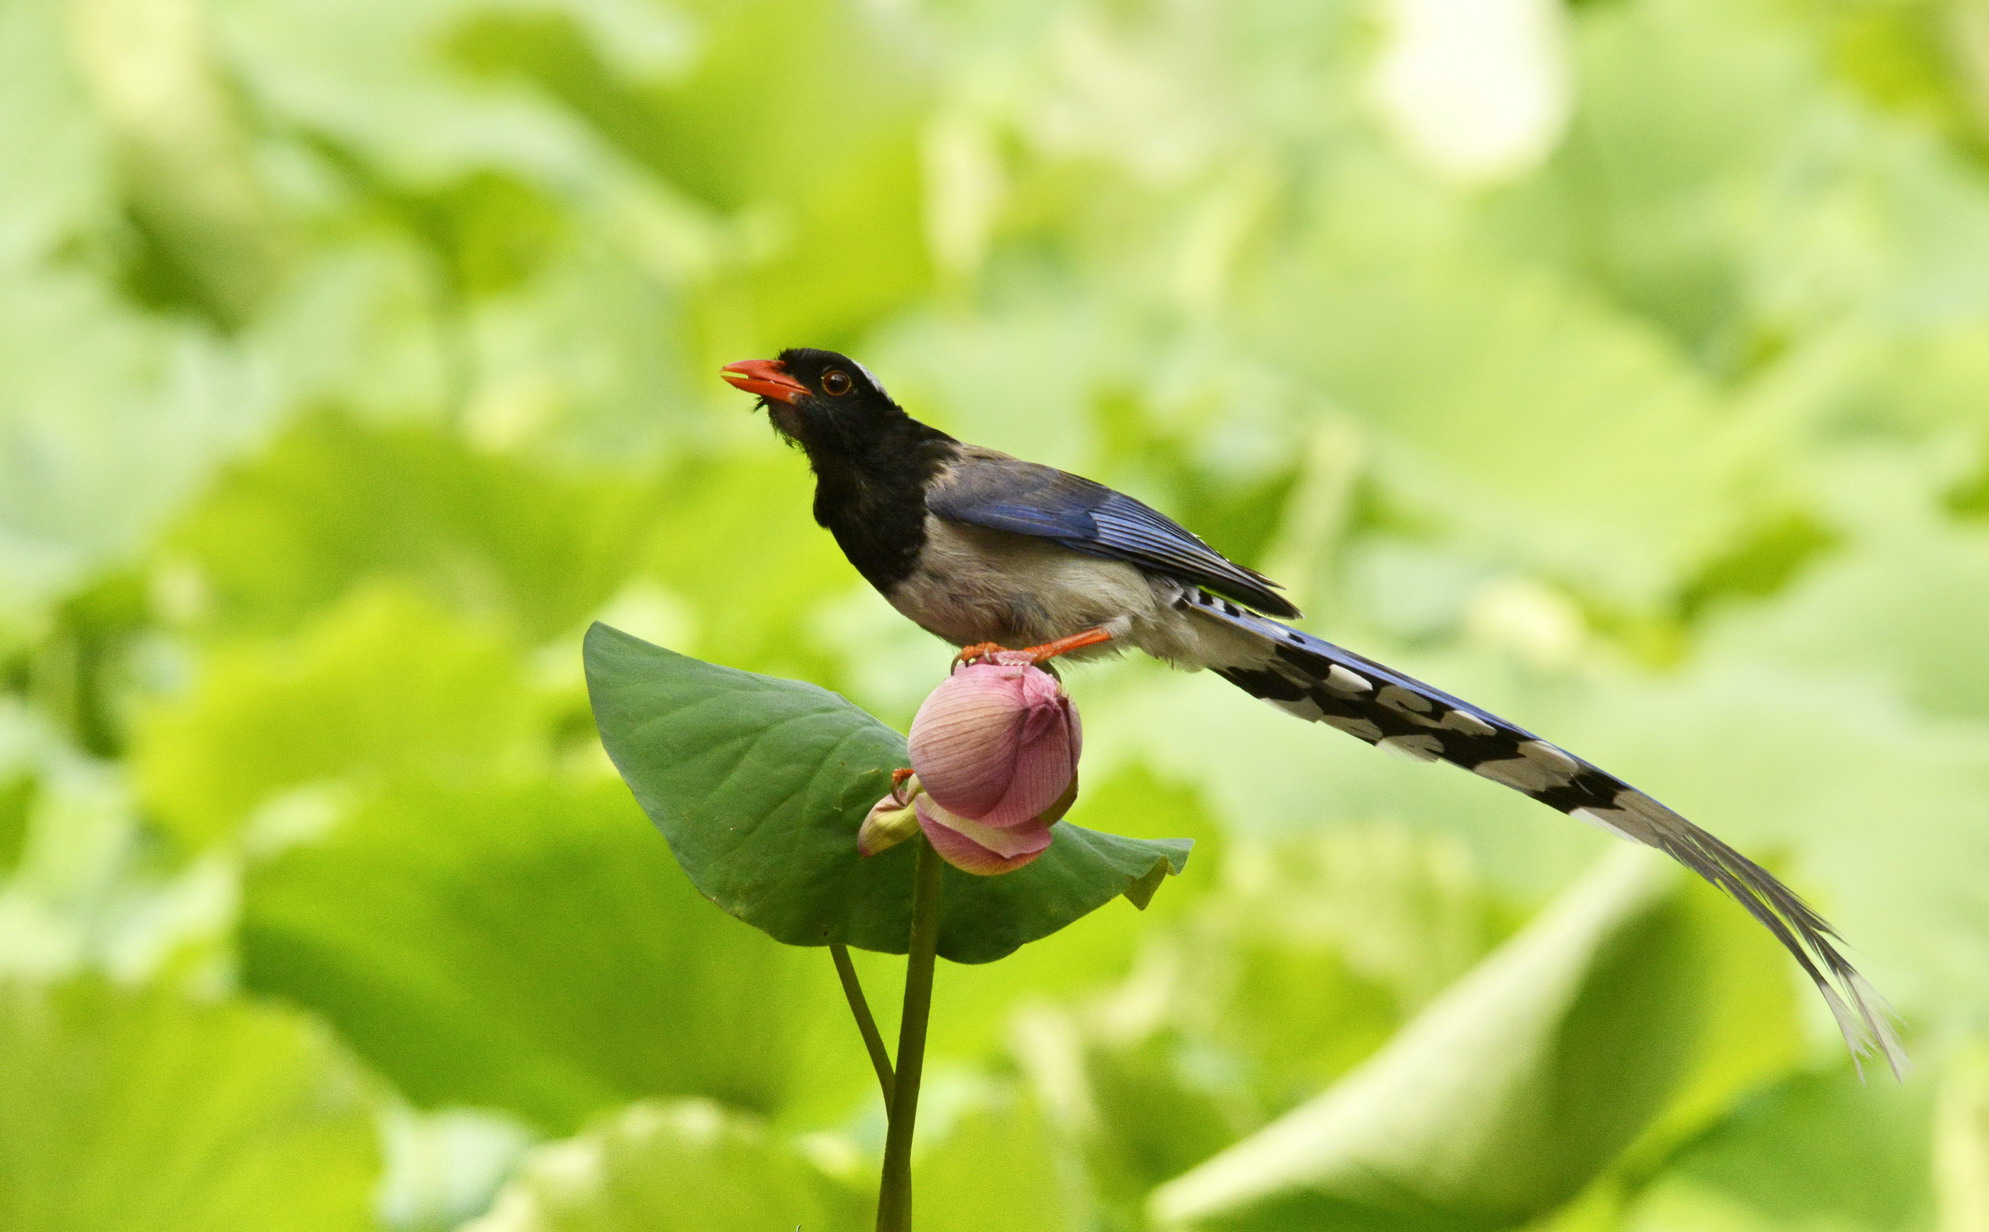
(1322, 683)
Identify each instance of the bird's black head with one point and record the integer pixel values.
(827, 403)
(872, 462)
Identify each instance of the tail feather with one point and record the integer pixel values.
(1321, 682)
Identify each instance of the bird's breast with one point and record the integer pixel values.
(881, 530)
(971, 584)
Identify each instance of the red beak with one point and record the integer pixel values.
(765, 377)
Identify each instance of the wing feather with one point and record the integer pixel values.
(1002, 493)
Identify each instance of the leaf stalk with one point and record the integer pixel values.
(859, 1008)
(894, 1191)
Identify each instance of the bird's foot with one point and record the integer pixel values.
(1034, 656)
(979, 652)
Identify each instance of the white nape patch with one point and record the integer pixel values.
(1340, 680)
(877, 384)
(1395, 697)
(1598, 819)
(1548, 756)
(1414, 748)
(1469, 724)
(1360, 729)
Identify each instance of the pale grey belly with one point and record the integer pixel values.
(977, 585)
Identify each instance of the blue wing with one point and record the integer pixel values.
(1023, 498)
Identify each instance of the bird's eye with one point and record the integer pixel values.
(836, 382)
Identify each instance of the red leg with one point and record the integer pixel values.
(1036, 655)
(1064, 645)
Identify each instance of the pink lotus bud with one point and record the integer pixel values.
(978, 848)
(996, 743)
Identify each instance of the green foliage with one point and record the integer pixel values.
(993, 1135)
(1778, 1163)
(17, 797)
(1501, 1100)
(671, 1167)
(760, 785)
(148, 1109)
(335, 502)
(381, 685)
(356, 356)
(531, 948)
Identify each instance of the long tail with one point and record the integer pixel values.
(1318, 681)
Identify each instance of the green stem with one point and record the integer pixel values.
(873, 1040)
(894, 1193)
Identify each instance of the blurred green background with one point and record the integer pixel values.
(1620, 366)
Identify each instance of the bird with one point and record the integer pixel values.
(993, 553)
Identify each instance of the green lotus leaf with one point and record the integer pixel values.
(759, 785)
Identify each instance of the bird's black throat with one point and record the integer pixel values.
(870, 492)
(872, 461)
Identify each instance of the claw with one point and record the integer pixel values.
(970, 655)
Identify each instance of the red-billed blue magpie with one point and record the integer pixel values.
(988, 551)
